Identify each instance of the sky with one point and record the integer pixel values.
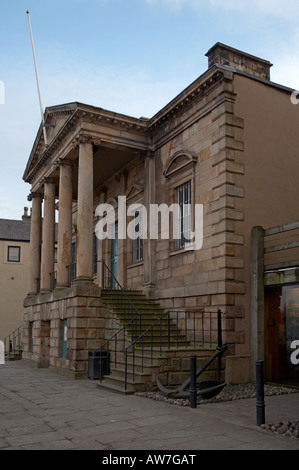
(127, 56)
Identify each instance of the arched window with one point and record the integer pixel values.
(179, 170)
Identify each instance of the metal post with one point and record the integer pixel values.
(220, 344)
(219, 329)
(260, 403)
(37, 81)
(193, 394)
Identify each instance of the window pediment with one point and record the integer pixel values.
(134, 191)
(179, 161)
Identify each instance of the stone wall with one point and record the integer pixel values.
(80, 305)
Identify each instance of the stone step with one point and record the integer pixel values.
(149, 352)
(118, 381)
(114, 388)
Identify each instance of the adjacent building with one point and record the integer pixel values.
(14, 257)
(228, 144)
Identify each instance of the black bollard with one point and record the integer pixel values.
(193, 394)
(220, 344)
(260, 403)
(219, 327)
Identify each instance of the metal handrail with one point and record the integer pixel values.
(178, 332)
(134, 320)
(12, 342)
(71, 273)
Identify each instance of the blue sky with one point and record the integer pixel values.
(128, 56)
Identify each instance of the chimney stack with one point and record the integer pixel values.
(225, 55)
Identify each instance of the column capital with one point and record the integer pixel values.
(149, 154)
(48, 179)
(34, 194)
(85, 139)
(63, 162)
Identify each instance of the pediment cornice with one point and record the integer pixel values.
(78, 114)
(188, 97)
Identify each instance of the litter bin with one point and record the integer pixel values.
(98, 364)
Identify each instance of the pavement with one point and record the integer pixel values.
(42, 410)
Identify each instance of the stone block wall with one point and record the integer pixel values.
(81, 307)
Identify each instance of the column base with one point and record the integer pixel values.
(149, 290)
(83, 280)
(62, 286)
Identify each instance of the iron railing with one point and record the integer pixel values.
(13, 343)
(71, 273)
(126, 310)
(187, 329)
(53, 279)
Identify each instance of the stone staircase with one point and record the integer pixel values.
(13, 345)
(147, 358)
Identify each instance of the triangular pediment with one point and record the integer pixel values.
(134, 191)
(56, 118)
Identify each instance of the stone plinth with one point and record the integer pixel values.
(81, 310)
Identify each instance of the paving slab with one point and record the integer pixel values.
(41, 410)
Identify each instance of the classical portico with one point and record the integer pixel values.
(87, 147)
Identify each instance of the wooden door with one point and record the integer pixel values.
(281, 328)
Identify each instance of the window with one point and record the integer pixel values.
(180, 172)
(14, 254)
(183, 196)
(138, 241)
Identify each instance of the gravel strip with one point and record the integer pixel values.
(238, 392)
(289, 429)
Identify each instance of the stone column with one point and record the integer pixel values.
(64, 249)
(85, 211)
(100, 279)
(148, 244)
(257, 297)
(35, 242)
(122, 241)
(48, 243)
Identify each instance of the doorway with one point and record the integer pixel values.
(45, 344)
(281, 329)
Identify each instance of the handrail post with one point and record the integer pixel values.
(260, 403)
(193, 394)
(219, 329)
(126, 369)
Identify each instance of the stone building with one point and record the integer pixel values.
(14, 261)
(228, 143)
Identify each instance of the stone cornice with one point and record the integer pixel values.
(187, 98)
(81, 114)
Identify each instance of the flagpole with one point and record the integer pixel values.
(37, 80)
